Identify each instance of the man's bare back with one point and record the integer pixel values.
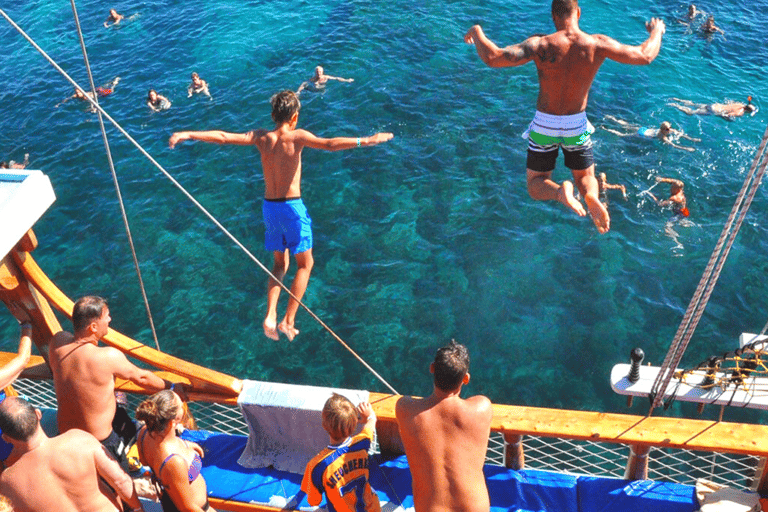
(82, 375)
(568, 56)
(446, 437)
(60, 473)
(67, 465)
(446, 441)
(567, 62)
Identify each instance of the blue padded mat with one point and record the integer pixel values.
(519, 491)
(610, 494)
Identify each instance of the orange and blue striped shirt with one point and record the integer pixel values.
(342, 473)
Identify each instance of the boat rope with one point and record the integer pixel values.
(711, 274)
(194, 201)
(114, 177)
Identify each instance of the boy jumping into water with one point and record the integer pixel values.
(288, 226)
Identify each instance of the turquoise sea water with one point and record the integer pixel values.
(429, 237)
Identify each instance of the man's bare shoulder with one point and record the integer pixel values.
(407, 406)
(62, 338)
(480, 405)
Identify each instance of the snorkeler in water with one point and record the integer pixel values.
(709, 26)
(104, 90)
(729, 110)
(113, 18)
(604, 186)
(664, 132)
(319, 79)
(15, 165)
(157, 102)
(676, 199)
(198, 86)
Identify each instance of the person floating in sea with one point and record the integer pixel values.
(113, 18)
(340, 417)
(198, 86)
(676, 199)
(157, 102)
(567, 62)
(729, 110)
(102, 91)
(63, 473)
(10, 164)
(602, 182)
(446, 438)
(288, 225)
(319, 79)
(664, 132)
(709, 26)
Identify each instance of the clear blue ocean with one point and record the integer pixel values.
(429, 237)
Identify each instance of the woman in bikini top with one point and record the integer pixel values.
(175, 463)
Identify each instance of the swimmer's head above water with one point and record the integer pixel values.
(665, 127)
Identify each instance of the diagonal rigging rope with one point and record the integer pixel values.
(114, 177)
(194, 201)
(711, 274)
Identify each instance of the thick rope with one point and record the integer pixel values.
(114, 178)
(195, 202)
(709, 278)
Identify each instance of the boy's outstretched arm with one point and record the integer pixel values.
(214, 137)
(338, 143)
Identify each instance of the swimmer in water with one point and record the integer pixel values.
(157, 102)
(15, 165)
(319, 79)
(604, 186)
(709, 26)
(198, 86)
(664, 132)
(676, 199)
(690, 15)
(727, 111)
(104, 90)
(113, 18)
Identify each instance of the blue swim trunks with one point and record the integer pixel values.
(287, 224)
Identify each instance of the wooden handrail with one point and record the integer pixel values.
(202, 378)
(679, 433)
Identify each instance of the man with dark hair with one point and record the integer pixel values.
(446, 437)
(60, 473)
(84, 379)
(288, 225)
(567, 62)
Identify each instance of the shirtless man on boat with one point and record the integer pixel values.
(60, 473)
(288, 225)
(567, 62)
(84, 378)
(446, 438)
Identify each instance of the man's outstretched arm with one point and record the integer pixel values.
(637, 55)
(496, 57)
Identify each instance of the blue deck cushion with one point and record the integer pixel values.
(610, 494)
(531, 490)
(519, 491)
